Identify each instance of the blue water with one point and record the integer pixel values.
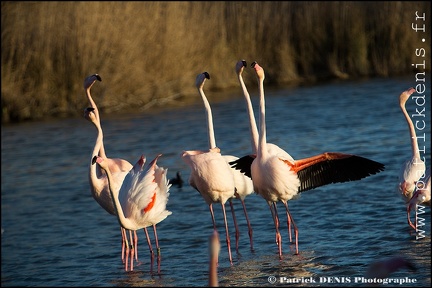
(55, 234)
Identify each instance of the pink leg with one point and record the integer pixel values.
(237, 233)
(132, 249)
(126, 263)
(295, 227)
(248, 223)
(212, 215)
(409, 218)
(276, 222)
(136, 245)
(227, 234)
(123, 232)
(289, 226)
(157, 248)
(150, 248)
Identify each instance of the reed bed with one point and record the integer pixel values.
(149, 53)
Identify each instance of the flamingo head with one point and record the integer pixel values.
(240, 66)
(90, 80)
(200, 79)
(100, 161)
(90, 115)
(404, 96)
(259, 70)
(406, 189)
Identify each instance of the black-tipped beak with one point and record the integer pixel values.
(253, 64)
(94, 160)
(98, 77)
(207, 75)
(244, 63)
(90, 109)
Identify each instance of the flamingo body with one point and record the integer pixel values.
(422, 196)
(414, 167)
(210, 175)
(141, 199)
(277, 176)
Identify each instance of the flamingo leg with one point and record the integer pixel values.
(150, 248)
(289, 226)
(126, 262)
(409, 218)
(294, 225)
(122, 230)
(212, 215)
(214, 225)
(237, 233)
(227, 234)
(132, 250)
(136, 244)
(276, 222)
(248, 223)
(157, 248)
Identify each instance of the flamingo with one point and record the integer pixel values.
(214, 248)
(278, 177)
(118, 167)
(141, 200)
(243, 184)
(116, 164)
(422, 196)
(210, 173)
(414, 168)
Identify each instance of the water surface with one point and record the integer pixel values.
(55, 234)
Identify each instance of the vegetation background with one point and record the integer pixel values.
(149, 53)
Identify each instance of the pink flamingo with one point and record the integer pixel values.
(421, 196)
(414, 168)
(243, 184)
(97, 178)
(277, 176)
(141, 200)
(210, 173)
(119, 167)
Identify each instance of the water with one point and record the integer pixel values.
(55, 234)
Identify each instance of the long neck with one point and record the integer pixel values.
(93, 174)
(96, 111)
(252, 123)
(211, 136)
(414, 144)
(123, 221)
(262, 146)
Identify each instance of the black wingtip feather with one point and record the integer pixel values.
(337, 171)
(243, 164)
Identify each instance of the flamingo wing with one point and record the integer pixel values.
(331, 167)
(243, 164)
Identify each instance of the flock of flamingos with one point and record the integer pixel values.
(138, 194)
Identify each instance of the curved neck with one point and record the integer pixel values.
(123, 221)
(414, 144)
(262, 134)
(252, 123)
(210, 131)
(99, 140)
(96, 111)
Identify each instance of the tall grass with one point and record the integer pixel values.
(149, 53)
